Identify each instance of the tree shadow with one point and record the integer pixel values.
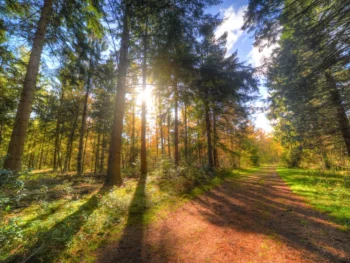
(51, 211)
(131, 247)
(269, 210)
(52, 242)
(45, 190)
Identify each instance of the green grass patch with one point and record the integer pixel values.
(325, 190)
(247, 171)
(57, 221)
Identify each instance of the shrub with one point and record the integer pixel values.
(179, 179)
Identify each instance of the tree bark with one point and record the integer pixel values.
(114, 159)
(70, 141)
(160, 122)
(199, 144)
(85, 147)
(42, 150)
(102, 159)
(1, 128)
(337, 103)
(133, 151)
(32, 155)
(93, 159)
(169, 147)
(97, 153)
(176, 124)
(215, 138)
(80, 165)
(186, 132)
(16, 145)
(143, 109)
(59, 153)
(57, 134)
(209, 143)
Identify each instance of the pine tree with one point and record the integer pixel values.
(13, 162)
(313, 53)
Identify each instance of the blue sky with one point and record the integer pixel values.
(242, 42)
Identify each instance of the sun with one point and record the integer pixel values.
(146, 95)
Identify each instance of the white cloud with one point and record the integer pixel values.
(257, 55)
(232, 25)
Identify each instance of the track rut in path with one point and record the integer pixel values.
(254, 219)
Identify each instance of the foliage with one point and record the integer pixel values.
(13, 186)
(180, 179)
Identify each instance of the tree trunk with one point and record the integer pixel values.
(59, 152)
(161, 134)
(93, 160)
(57, 134)
(215, 138)
(46, 154)
(103, 147)
(337, 103)
(198, 144)
(114, 159)
(70, 142)
(1, 128)
(176, 125)
(160, 122)
(85, 146)
(82, 128)
(42, 150)
(16, 145)
(169, 148)
(32, 155)
(31, 160)
(132, 159)
(97, 154)
(231, 134)
(208, 130)
(186, 133)
(143, 110)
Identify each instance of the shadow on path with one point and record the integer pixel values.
(264, 204)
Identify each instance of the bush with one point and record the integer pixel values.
(292, 158)
(12, 188)
(179, 179)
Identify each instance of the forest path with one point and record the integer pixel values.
(253, 219)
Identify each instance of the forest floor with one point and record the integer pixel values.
(252, 219)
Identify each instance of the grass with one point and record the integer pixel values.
(325, 190)
(61, 223)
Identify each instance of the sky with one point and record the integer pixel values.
(242, 42)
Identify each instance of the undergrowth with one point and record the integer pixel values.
(66, 219)
(327, 191)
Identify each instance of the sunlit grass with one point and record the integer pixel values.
(72, 228)
(326, 191)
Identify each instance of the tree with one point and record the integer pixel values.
(222, 79)
(114, 159)
(318, 29)
(20, 18)
(15, 151)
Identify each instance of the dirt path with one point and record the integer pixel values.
(256, 220)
